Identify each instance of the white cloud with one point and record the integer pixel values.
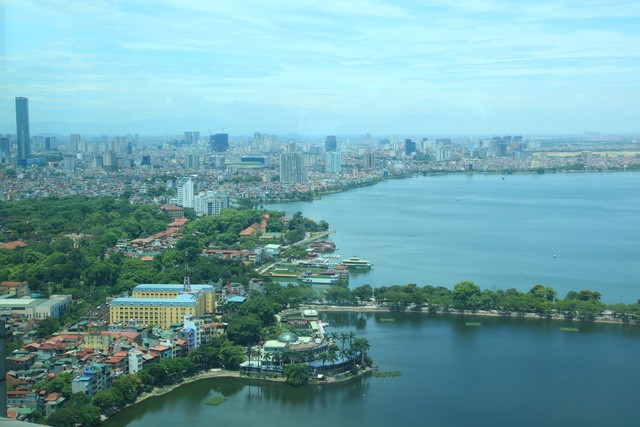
(358, 59)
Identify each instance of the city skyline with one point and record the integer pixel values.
(489, 67)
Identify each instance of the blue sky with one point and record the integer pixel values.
(322, 67)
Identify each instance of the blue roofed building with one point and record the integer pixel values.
(91, 379)
(164, 305)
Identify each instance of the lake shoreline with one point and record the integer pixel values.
(484, 313)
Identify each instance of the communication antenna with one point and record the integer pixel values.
(186, 287)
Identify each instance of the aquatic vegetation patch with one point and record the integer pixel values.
(388, 374)
(387, 319)
(473, 324)
(215, 401)
(569, 329)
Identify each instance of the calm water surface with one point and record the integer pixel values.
(506, 372)
(499, 231)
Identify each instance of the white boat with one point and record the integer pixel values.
(356, 263)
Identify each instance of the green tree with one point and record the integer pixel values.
(190, 246)
(244, 329)
(129, 385)
(296, 374)
(542, 292)
(466, 294)
(231, 356)
(47, 326)
(363, 293)
(109, 399)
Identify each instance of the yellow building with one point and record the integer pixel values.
(154, 304)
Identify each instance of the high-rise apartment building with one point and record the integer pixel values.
(69, 163)
(333, 162)
(109, 160)
(5, 145)
(74, 143)
(192, 161)
(185, 192)
(291, 167)
(50, 143)
(191, 137)
(330, 143)
(368, 160)
(210, 203)
(22, 128)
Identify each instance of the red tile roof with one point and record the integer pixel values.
(13, 245)
(12, 284)
(52, 396)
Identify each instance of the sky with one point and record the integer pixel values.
(436, 67)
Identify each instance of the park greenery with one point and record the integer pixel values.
(468, 296)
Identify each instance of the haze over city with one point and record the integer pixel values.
(331, 67)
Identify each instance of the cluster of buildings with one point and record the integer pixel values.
(156, 322)
(310, 345)
(15, 299)
(262, 167)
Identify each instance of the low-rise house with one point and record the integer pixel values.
(135, 360)
(91, 379)
(21, 361)
(53, 402)
(24, 398)
(164, 351)
(18, 289)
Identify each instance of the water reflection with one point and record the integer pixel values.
(495, 369)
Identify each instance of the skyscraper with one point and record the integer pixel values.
(74, 143)
(330, 143)
(409, 147)
(219, 142)
(22, 127)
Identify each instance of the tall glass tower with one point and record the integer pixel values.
(22, 127)
(330, 143)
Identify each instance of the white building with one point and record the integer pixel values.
(185, 192)
(36, 308)
(135, 361)
(210, 203)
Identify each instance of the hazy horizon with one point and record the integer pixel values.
(344, 68)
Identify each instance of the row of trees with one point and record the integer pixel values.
(467, 295)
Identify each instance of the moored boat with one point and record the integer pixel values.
(356, 263)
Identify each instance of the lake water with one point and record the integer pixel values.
(566, 231)
(507, 372)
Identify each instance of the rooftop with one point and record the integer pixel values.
(184, 300)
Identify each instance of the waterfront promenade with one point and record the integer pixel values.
(375, 308)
